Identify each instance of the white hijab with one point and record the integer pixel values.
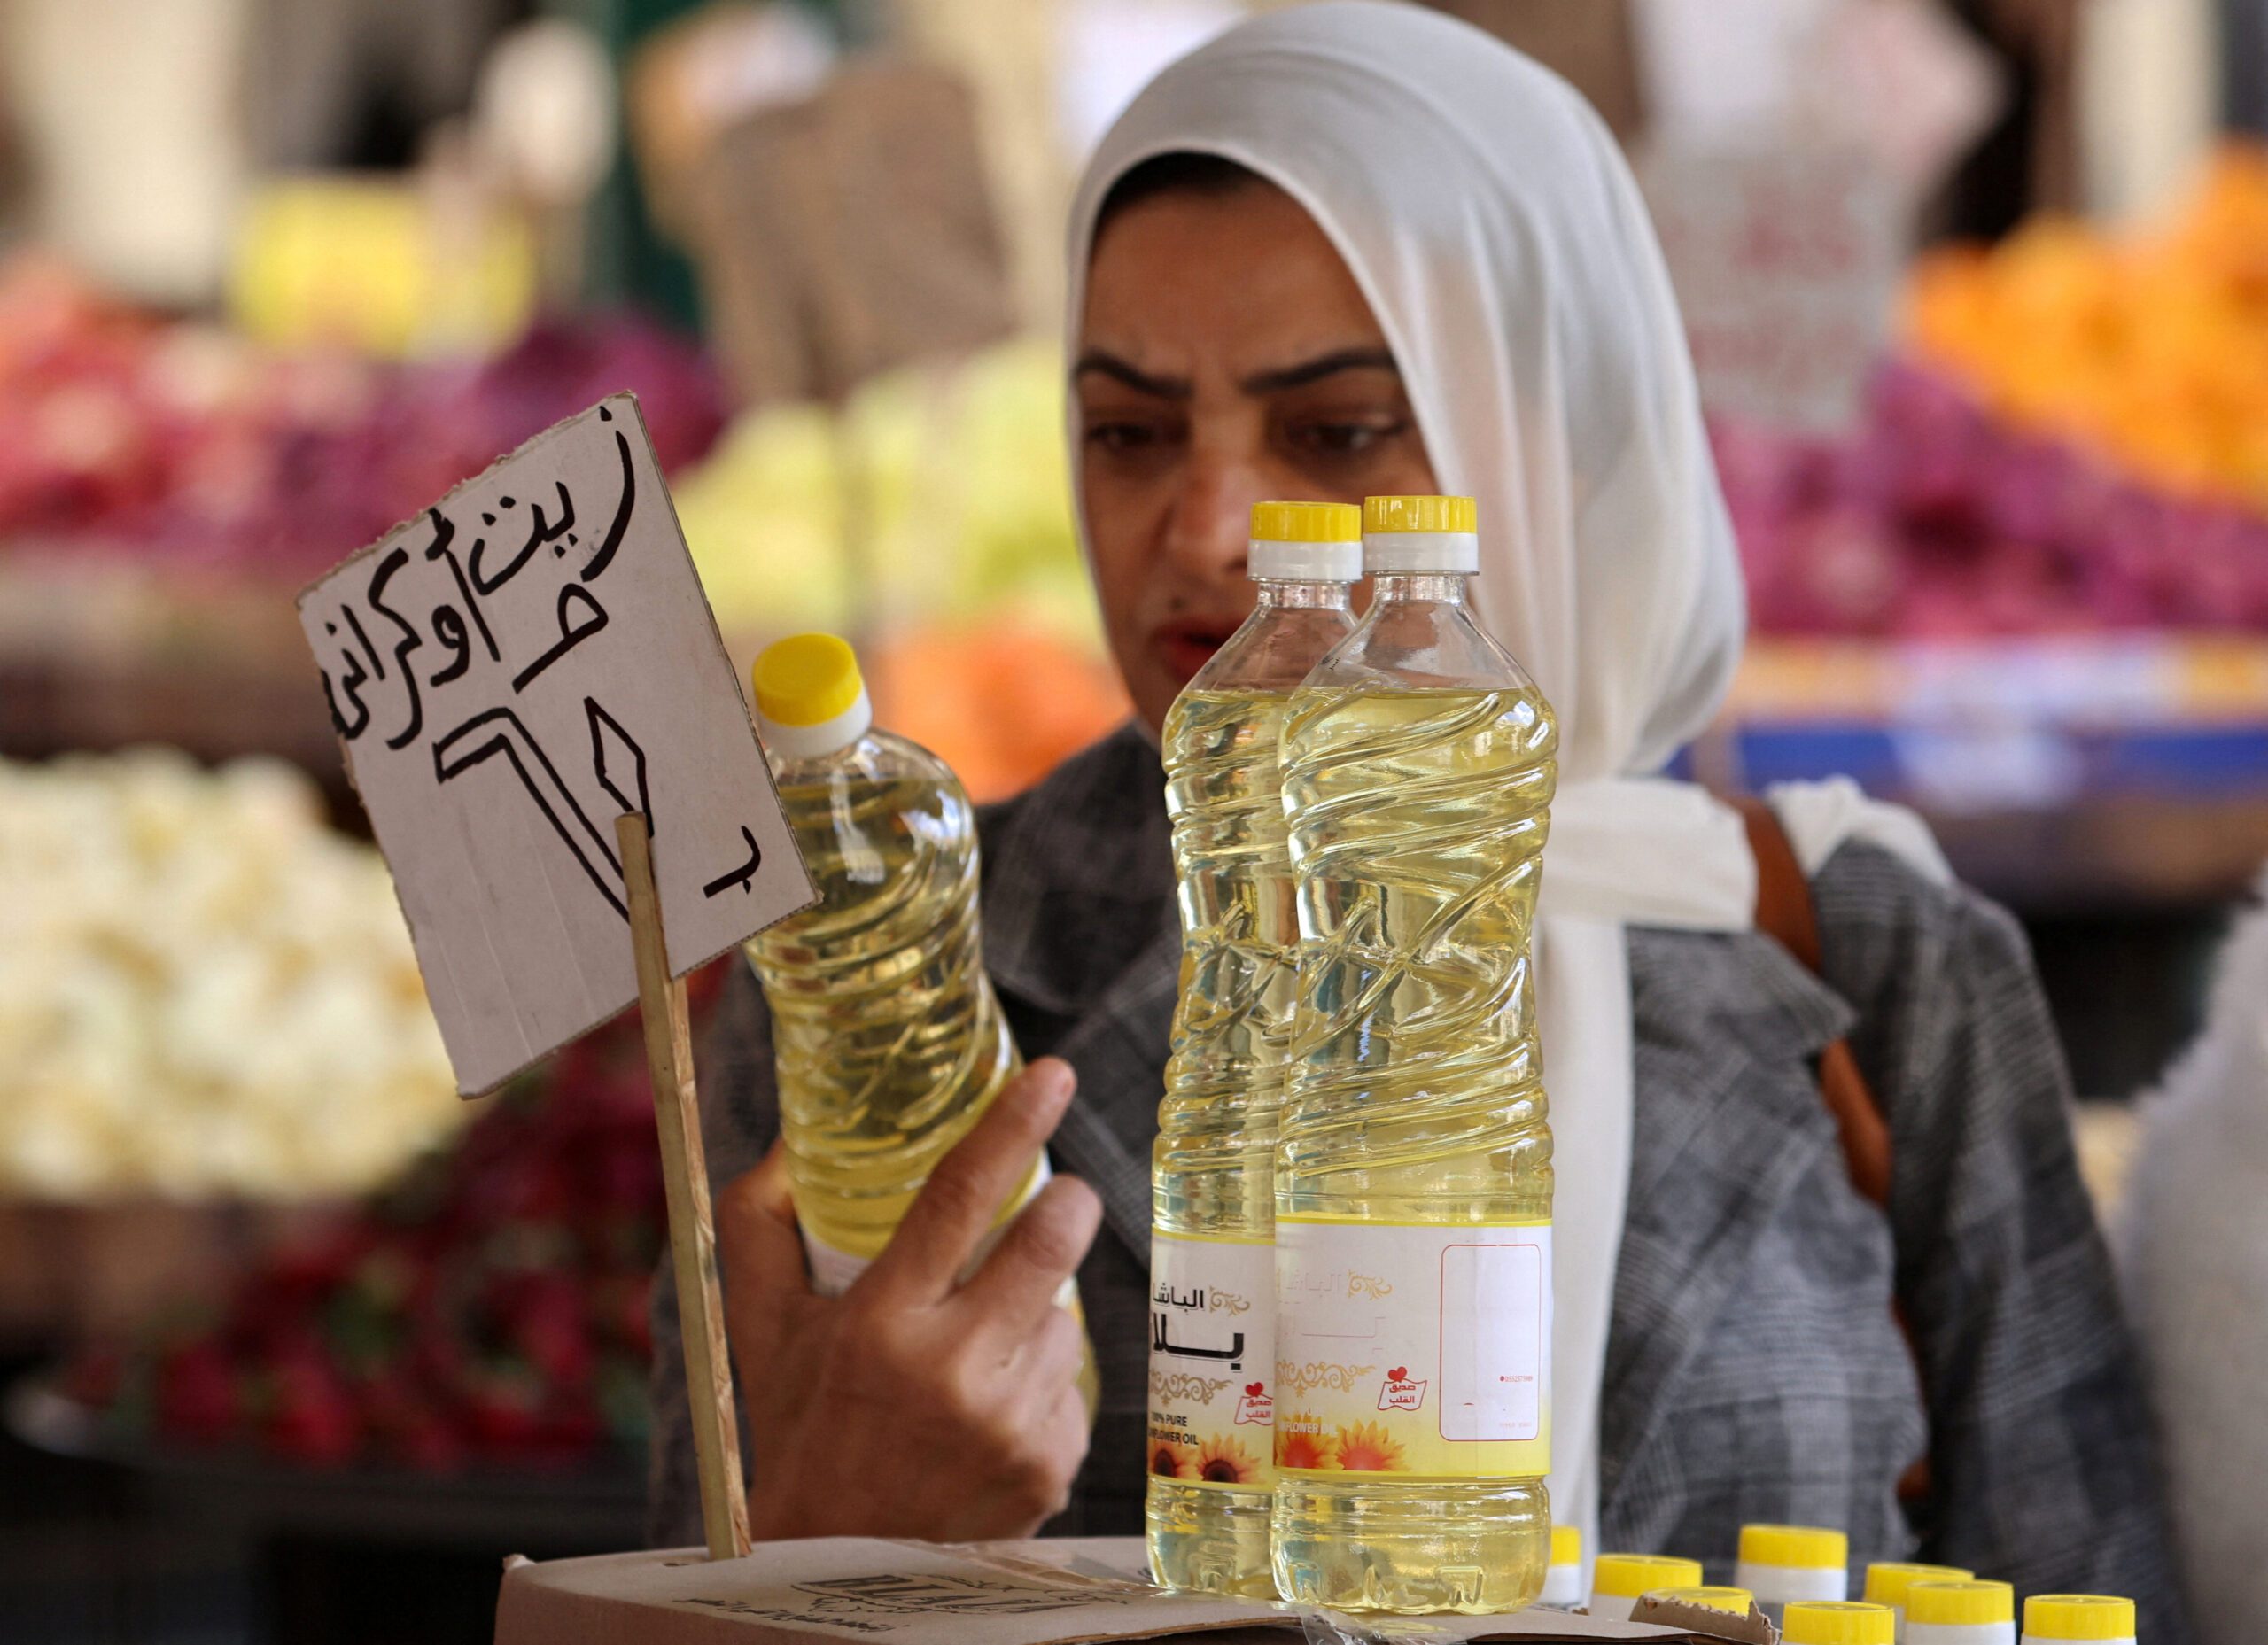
(1502, 243)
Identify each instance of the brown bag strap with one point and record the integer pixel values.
(1784, 913)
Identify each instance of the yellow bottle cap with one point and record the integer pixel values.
(1307, 523)
(1419, 513)
(1838, 1622)
(2078, 1616)
(1305, 542)
(810, 701)
(1887, 1581)
(1801, 1548)
(1735, 1599)
(1960, 1605)
(1566, 1545)
(806, 680)
(1627, 1576)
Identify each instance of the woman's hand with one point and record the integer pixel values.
(913, 1406)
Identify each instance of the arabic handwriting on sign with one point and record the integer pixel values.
(603, 554)
(388, 568)
(570, 635)
(351, 685)
(540, 532)
(449, 629)
(744, 876)
(506, 734)
(444, 533)
(452, 625)
(629, 763)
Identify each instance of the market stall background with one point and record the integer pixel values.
(303, 1376)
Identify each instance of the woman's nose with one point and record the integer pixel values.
(1211, 522)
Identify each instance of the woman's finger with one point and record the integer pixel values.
(957, 1205)
(1023, 1276)
(758, 1247)
(1053, 1358)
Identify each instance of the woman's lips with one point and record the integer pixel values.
(1184, 648)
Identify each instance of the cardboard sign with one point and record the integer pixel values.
(1785, 261)
(509, 672)
(1037, 1592)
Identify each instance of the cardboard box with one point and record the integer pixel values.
(1054, 1593)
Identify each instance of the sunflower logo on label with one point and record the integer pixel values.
(1397, 1393)
(1257, 1405)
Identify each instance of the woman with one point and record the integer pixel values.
(1359, 248)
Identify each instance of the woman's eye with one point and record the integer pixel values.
(1123, 436)
(1342, 439)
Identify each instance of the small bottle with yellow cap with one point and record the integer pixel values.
(1564, 1588)
(1212, 1182)
(1780, 1564)
(1887, 1581)
(1619, 1581)
(2067, 1618)
(886, 1036)
(1837, 1622)
(1960, 1613)
(1419, 763)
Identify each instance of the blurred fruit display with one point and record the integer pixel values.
(1001, 702)
(185, 447)
(205, 991)
(2151, 347)
(932, 522)
(488, 1309)
(380, 265)
(950, 485)
(2076, 441)
(1937, 520)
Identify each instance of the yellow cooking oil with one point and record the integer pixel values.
(1213, 1194)
(1414, 1179)
(888, 1041)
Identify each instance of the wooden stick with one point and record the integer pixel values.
(693, 1231)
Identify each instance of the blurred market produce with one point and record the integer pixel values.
(962, 474)
(2148, 346)
(985, 641)
(487, 1309)
(205, 991)
(127, 437)
(1936, 519)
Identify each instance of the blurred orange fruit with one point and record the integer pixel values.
(2151, 346)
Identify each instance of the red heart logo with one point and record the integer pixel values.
(1254, 1388)
(1399, 1373)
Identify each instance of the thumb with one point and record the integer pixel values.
(757, 1246)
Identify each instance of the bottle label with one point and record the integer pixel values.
(1212, 1354)
(1410, 1349)
(834, 1270)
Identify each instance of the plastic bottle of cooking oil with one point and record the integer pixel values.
(887, 1039)
(1413, 1178)
(1212, 1257)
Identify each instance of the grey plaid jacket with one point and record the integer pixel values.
(1754, 1369)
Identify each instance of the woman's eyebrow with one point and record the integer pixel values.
(1098, 363)
(1281, 377)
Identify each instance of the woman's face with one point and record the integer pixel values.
(1226, 357)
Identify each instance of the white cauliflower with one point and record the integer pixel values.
(203, 990)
